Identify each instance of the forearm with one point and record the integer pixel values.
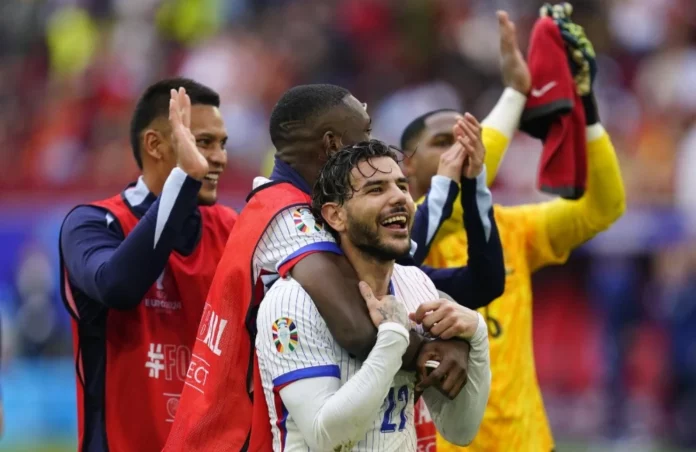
(499, 128)
(571, 223)
(119, 273)
(430, 214)
(328, 414)
(458, 420)
(342, 307)
(485, 264)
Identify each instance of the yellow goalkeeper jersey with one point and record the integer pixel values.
(532, 236)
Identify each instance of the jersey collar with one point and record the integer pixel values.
(285, 173)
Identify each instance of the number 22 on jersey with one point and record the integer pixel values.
(397, 401)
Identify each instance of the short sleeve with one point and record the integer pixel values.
(293, 235)
(293, 341)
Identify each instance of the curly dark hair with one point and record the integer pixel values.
(333, 183)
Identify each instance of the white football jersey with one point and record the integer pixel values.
(293, 342)
(291, 234)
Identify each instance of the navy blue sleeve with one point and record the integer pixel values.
(430, 215)
(483, 280)
(117, 272)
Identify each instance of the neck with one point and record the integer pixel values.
(417, 191)
(154, 182)
(376, 273)
(298, 160)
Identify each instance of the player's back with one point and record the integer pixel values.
(293, 340)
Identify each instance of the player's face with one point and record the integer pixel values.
(435, 139)
(380, 213)
(211, 138)
(349, 121)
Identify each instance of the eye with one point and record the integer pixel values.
(443, 142)
(404, 188)
(375, 190)
(203, 142)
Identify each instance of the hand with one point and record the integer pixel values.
(452, 160)
(446, 319)
(385, 309)
(475, 151)
(188, 157)
(514, 68)
(451, 375)
(582, 57)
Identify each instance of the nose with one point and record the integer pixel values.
(217, 158)
(397, 196)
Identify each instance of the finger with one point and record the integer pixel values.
(187, 108)
(449, 333)
(458, 129)
(508, 33)
(425, 308)
(446, 322)
(367, 293)
(471, 119)
(451, 382)
(459, 381)
(437, 375)
(472, 133)
(434, 317)
(567, 9)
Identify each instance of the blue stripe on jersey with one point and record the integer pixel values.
(308, 372)
(328, 247)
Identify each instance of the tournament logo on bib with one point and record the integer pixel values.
(285, 334)
(305, 221)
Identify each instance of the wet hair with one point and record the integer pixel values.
(333, 183)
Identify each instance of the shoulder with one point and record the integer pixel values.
(90, 217)
(287, 298)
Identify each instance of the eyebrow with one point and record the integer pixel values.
(201, 135)
(376, 182)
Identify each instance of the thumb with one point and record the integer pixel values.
(367, 293)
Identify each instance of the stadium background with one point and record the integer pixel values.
(615, 329)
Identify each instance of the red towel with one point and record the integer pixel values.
(554, 113)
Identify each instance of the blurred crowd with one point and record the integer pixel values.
(72, 70)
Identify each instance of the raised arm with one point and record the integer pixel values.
(117, 272)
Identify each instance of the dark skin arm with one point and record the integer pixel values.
(332, 284)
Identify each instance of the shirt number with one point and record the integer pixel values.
(402, 396)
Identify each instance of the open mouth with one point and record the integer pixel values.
(212, 178)
(396, 222)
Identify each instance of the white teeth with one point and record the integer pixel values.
(212, 176)
(396, 219)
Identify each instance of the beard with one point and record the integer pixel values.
(365, 237)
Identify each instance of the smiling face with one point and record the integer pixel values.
(378, 216)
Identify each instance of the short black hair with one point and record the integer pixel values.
(333, 183)
(302, 103)
(154, 103)
(416, 126)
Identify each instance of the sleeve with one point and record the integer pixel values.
(499, 128)
(293, 235)
(432, 213)
(483, 279)
(117, 272)
(326, 412)
(559, 226)
(293, 341)
(458, 420)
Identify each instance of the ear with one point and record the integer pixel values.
(154, 144)
(408, 164)
(332, 142)
(334, 215)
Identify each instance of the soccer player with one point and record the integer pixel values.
(277, 234)
(533, 236)
(136, 269)
(320, 397)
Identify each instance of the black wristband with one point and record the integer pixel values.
(591, 112)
